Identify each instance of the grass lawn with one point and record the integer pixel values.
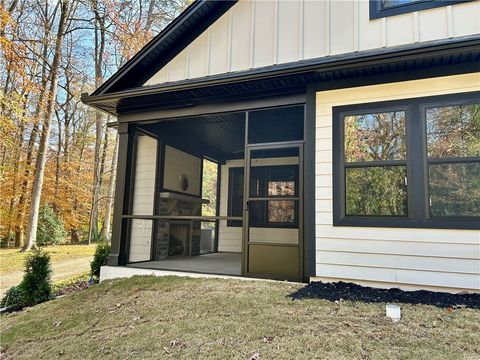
(181, 318)
(13, 259)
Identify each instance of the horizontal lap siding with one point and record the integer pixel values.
(400, 277)
(393, 256)
(229, 237)
(141, 236)
(258, 33)
(143, 198)
(406, 262)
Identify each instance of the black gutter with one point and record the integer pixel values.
(446, 47)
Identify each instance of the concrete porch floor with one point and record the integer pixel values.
(216, 263)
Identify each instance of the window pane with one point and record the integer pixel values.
(454, 189)
(281, 180)
(376, 191)
(385, 4)
(379, 136)
(453, 131)
(281, 188)
(281, 211)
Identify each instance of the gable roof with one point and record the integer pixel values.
(126, 91)
(163, 47)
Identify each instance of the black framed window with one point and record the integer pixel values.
(279, 181)
(385, 8)
(408, 163)
(375, 163)
(453, 151)
(265, 182)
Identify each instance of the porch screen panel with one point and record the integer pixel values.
(276, 125)
(274, 212)
(143, 198)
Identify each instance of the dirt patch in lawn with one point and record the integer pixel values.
(180, 318)
(348, 291)
(72, 285)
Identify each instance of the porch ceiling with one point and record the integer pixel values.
(215, 136)
(222, 136)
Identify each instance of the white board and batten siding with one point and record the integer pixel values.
(143, 198)
(404, 257)
(257, 33)
(230, 237)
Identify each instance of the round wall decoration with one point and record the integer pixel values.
(184, 182)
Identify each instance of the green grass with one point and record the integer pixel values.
(13, 259)
(180, 318)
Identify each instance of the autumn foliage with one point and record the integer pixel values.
(97, 36)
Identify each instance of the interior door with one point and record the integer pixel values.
(273, 211)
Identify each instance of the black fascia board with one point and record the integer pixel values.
(169, 42)
(446, 47)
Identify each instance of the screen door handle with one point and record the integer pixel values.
(246, 205)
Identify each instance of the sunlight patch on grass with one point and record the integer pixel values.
(14, 260)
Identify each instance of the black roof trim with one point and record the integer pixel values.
(163, 47)
(456, 50)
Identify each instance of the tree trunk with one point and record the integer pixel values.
(15, 179)
(74, 232)
(19, 233)
(111, 189)
(104, 157)
(99, 24)
(58, 164)
(43, 149)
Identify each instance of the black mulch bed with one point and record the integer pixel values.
(73, 288)
(353, 292)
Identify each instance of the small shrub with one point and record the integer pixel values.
(100, 258)
(36, 284)
(51, 229)
(13, 298)
(7, 241)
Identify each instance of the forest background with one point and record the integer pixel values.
(57, 156)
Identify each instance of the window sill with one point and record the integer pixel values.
(376, 13)
(447, 223)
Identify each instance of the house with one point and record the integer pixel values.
(345, 137)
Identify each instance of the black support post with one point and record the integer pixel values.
(119, 228)
(217, 204)
(309, 182)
